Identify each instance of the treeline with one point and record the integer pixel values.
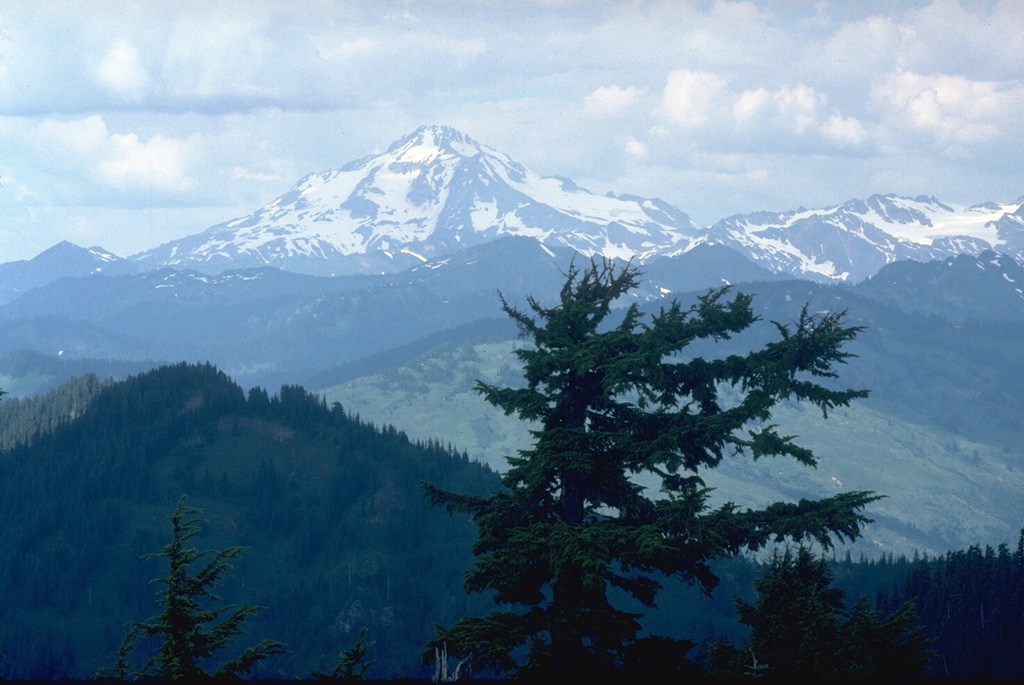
(29, 373)
(339, 537)
(23, 419)
(970, 602)
(967, 607)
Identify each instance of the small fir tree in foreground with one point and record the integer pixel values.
(190, 628)
(800, 628)
(614, 400)
(351, 664)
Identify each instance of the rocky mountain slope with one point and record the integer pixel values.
(854, 240)
(433, 192)
(437, 191)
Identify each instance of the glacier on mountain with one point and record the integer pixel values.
(432, 193)
(852, 241)
(437, 191)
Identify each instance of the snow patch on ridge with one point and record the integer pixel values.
(437, 191)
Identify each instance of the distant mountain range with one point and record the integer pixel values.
(940, 351)
(62, 260)
(438, 191)
(270, 326)
(266, 325)
(854, 240)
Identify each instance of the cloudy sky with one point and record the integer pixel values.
(128, 124)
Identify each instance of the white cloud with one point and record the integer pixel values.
(984, 40)
(159, 164)
(13, 190)
(691, 98)
(230, 57)
(847, 131)
(749, 103)
(635, 148)
(798, 106)
(610, 100)
(82, 151)
(343, 50)
(122, 72)
(81, 135)
(856, 50)
(792, 108)
(950, 109)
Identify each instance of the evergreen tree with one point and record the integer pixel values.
(350, 664)
(190, 631)
(795, 622)
(972, 603)
(800, 628)
(614, 401)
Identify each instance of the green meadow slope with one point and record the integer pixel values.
(943, 490)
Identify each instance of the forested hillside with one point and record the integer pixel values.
(23, 419)
(339, 536)
(969, 602)
(938, 435)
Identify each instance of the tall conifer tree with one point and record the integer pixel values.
(614, 401)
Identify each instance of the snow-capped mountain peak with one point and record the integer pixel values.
(852, 241)
(432, 193)
(429, 142)
(437, 191)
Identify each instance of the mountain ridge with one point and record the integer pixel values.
(60, 260)
(985, 287)
(436, 191)
(854, 240)
(432, 193)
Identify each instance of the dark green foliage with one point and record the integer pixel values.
(350, 664)
(795, 622)
(329, 508)
(190, 628)
(21, 419)
(615, 400)
(800, 628)
(971, 603)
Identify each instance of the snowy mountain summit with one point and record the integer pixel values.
(437, 191)
(433, 193)
(852, 241)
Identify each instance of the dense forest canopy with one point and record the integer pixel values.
(321, 499)
(340, 538)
